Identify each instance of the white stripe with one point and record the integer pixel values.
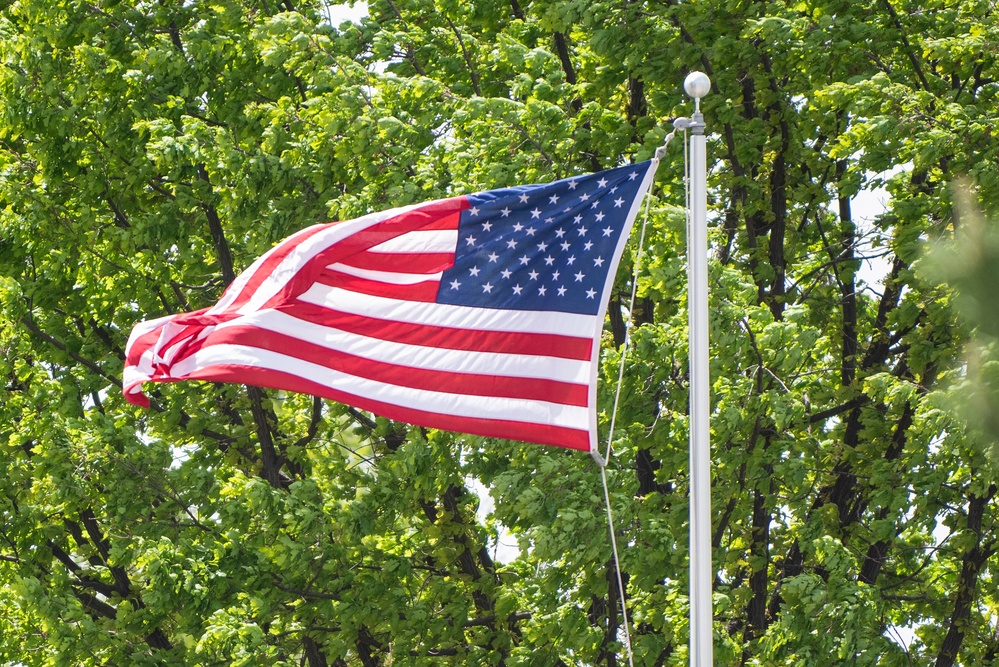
(164, 353)
(303, 253)
(430, 240)
(239, 283)
(391, 277)
(461, 317)
(142, 370)
(132, 379)
(415, 356)
(458, 405)
(142, 328)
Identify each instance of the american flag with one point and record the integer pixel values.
(480, 314)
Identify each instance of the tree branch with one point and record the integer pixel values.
(218, 235)
(971, 565)
(33, 328)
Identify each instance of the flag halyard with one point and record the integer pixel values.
(479, 314)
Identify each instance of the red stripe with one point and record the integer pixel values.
(192, 324)
(139, 346)
(558, 436)
(448, 338)
(499, 386)
(275, 256)
(425, 291)
(151, 339)
(438, 215)
(434, 221)
(401, 262)
(434, 216)
(139, 399)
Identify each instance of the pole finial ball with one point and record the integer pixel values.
(697, 85)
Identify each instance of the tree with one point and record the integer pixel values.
(149, 151)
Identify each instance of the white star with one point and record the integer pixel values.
(613, 189)
(595, 203)
(582, 231)
(549, 221)
(487, 288)
(506, 273)
(618, 202)
(561, 291)
(474, 270)
(536, 214)
(542, 246)
(580, 276)
(493, 257)
(523, 198)
(565, 245)
(602, 183)
(470, 240)
(553, 199)
(505, 212)
(584, 197)
(599, 216)
(559, 232)
(633, 176)
(608, 231)
(572, 258)
(542, 290)
(474, 210)
(518, 227)
(530, 231)
(455, 284)
(511, 244)
(533, 275)
(549, 260)
(487, 226)
(572, 185)
(524, 260)
(590, 293)
(599, 261)
(517, 289)
(588, 245)
(556, 275)
(578, 219)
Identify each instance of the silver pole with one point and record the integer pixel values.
(697, 85)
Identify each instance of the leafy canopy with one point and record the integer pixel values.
(151, 150)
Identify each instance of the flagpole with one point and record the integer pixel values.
(697, 85)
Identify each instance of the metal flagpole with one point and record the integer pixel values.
(697, 85)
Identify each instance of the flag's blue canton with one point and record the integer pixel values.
(541, 247)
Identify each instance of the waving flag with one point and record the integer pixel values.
(480, 314)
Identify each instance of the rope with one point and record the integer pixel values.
(617, 568)
(602, 461)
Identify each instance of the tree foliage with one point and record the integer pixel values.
(150, 150)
